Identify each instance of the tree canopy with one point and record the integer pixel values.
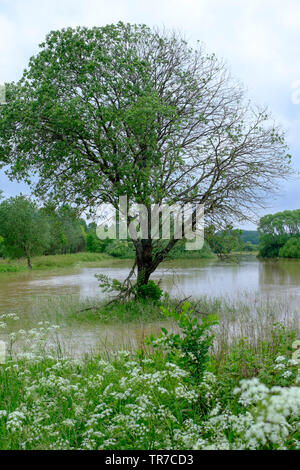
(279, 234)
(23, 230)
(126, 110)
(223, 242)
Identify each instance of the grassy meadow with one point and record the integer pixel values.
(54, 261)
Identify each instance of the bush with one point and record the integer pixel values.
(291, 249)
(149, 291)
(189, 348)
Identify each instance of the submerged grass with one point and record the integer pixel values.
(123, 324)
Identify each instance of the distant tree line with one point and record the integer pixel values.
(28, 230)
(279, 235)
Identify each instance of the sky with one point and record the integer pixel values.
(259, 39)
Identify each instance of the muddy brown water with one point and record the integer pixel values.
(20, 292)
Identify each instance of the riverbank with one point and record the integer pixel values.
(170, 393)
(55, 261)
(86, 259)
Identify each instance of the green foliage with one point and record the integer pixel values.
(249, 247)
(250, 236)
(223, 242)
(149, 291)
(275, 230)
(110, 285)
(190, 347)
(29, 231)
(179, 252)
(93, 243)
(24, 230)
(1, 246)
(291, 249)
(10, 268)
(67, 232)
(245, 360)
(120, 249)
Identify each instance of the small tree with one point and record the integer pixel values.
(24, 229)
(223, 242)
(125, 110)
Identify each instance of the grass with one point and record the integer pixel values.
(55, 261)
(11, 268)
(152, 397)
(89, 259)
(94, 325)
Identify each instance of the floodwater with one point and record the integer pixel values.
(181, 279)
(20, 292)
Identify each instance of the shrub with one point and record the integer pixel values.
(149, 291)
(291, 249)
(190, 347)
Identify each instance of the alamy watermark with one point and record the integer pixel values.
(159, 222)
(2, 94)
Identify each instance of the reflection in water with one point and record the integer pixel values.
(280, 275)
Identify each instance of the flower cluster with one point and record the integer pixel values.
(135, 400)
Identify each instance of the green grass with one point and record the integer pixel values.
(54, 261)
(11, 268)
(151, 398)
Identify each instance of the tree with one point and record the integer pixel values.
(126, 110)
(278, 230)
(93, 243)
(23, 227)
(223, 242)
(291, 249)
(249, 247)
(67, 233)
(1, 247)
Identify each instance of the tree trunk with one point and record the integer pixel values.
(144, 261)
(29, 263)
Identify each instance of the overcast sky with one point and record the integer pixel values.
(259, 39)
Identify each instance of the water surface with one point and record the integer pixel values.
(180, 278)
(26, 293)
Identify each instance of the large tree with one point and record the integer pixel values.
(126, 110)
